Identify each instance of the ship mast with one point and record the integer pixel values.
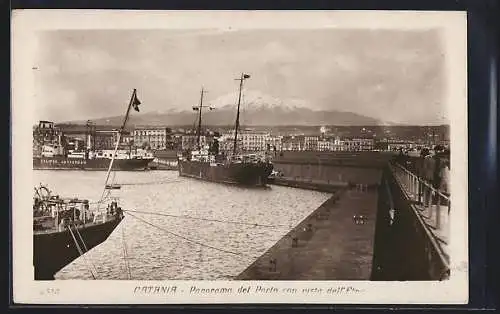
(241, 79)
(199, 108)
(134, 102)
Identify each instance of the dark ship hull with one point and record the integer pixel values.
(54, 250)
(62, 163)
(250, 174)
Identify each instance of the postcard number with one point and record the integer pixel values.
(50, 291)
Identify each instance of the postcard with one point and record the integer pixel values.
(209, 157)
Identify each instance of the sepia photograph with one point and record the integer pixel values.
(184, 156)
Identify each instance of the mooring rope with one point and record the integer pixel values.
(209, 219)
(81, 253)
(150, 183)
(190, 240)
(125, 254)
(86, 250)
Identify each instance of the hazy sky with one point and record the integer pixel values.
(395, 76)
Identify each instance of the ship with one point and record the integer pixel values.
(208, 164)
(52, 152)
(67, 228)
(93, 161)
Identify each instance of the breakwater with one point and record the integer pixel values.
(309, 184)
(366, 231)
(351, 168)
(335, 242)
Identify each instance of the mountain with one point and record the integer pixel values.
(256, 109)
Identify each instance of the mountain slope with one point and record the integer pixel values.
(256, 109)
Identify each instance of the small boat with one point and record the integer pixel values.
(274, 174)
(113, 186)
(67, 228)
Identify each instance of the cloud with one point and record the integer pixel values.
(383, 74)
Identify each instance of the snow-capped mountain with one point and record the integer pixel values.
(256, 109)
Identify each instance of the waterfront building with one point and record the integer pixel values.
(153, 137)
(293, 143)
(254, 141)
(103, 139)
(311, 142)
(275, 142)
(338, 145)
(325, 145)
(359, 144)
(226, 142)
(46, 133)
(190, 141)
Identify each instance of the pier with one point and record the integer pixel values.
(310, 184)
(381, 223)
(334, 242)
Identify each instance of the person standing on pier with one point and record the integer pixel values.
(445, 173)
(428, 169)
(420, 172)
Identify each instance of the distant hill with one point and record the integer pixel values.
(257, 109)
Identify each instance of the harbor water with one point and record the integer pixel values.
(188, 229)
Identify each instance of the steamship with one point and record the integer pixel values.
(98, 160)
(207, 163)
(67, 228)
(53, 155)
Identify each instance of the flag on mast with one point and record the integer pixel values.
(135, 102)
(245, 76)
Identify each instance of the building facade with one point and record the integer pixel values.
(46, 133)
(103, 139)
(191, 141)
(325, 145)
(153, 137)
(254, 141)
(275, 143)
(359, 144)
(293, 143)
(311, 142)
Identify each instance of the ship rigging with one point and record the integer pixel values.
(211, 165)
(67, 228)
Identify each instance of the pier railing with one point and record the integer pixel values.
(432, 209)
(434, 205)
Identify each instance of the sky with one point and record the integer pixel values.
(390, 75)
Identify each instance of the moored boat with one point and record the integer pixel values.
(94, 161)
(208, 164)
(64, 229)
(102, 164)
(241, 170)
(67, 228)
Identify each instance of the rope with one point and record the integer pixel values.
(189, 240)
(151, 183)
(208, 219)
(80, 251)
(125, 254)
(86, 250)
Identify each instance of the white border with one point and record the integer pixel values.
(26, 22)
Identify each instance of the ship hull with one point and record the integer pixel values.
(54, 250)
(249, 174)
(102, 164)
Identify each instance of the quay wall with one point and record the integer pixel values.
(404, 250)
(169, 155)
(347, 174)
(392, 244)
(349, 167)
(321, 186)
(329, 244)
